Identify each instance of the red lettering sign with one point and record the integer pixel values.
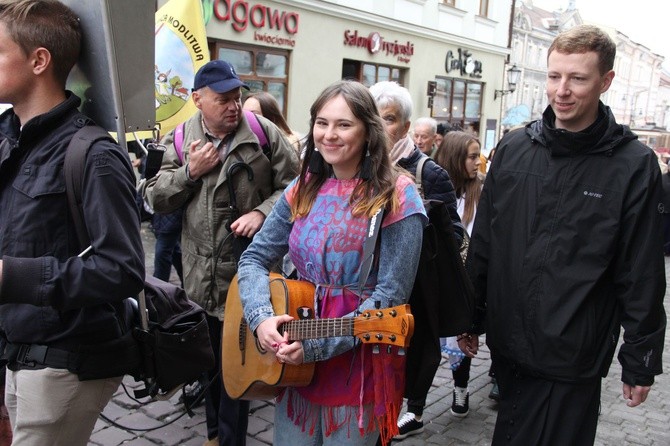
(375, 43)
(240, 13)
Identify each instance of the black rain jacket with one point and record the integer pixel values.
(436, 186)
(48, 295)
(567, 247)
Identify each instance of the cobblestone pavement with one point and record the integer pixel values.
(619, 424)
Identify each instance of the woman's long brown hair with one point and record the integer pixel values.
(451, 155)
(371, 194)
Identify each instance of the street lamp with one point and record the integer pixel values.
(512, 79)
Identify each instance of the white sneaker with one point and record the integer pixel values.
(460, 405)
(408, 425)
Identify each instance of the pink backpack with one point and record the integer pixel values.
(255, 125)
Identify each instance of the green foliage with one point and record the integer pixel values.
(172, 106)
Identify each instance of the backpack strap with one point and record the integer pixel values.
(419, 174)
(179, 141)
(73, 169)
(253, 122)
(259, 131)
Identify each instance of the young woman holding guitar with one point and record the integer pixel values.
(322, 222)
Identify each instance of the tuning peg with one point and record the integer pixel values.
(388, 349)
(401, 351)
(375, 349)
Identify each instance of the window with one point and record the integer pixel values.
(458, 102)
(262, 69)
(484, 8)
(369, 74)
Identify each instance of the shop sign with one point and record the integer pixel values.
(242, 13)
(375, 43)
(464, 63)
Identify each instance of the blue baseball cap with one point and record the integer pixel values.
(218, 75)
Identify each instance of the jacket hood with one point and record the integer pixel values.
(602, 137)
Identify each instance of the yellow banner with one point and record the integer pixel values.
(181, 49)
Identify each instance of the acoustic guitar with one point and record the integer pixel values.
(252, 373)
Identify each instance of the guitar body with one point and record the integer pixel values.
(249, 371)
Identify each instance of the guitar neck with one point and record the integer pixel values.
(299, 330)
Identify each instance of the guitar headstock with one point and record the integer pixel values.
(393, 326)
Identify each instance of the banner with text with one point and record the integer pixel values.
(181, 49)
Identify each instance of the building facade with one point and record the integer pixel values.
(450, 54)
(638, 95)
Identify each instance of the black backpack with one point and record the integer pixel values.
(442, 283)
(167, 343)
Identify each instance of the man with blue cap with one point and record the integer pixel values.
(214, 139)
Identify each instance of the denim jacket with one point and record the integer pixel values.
(400, 244)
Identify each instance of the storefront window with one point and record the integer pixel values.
(278, 90)
(239, 59)
(262, 69)
(270, 64)
(369, 74)
(442, 99)
(458, 102)
(383, 74)
(473, 101)
(256, 85)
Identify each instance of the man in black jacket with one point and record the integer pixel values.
(54, 304)
(567, 248)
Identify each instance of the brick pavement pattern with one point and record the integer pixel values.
(645, 425)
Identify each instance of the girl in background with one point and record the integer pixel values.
(264, 104)
(459, 154)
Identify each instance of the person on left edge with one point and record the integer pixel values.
(322, 222)
(55, 304)
(216, 138)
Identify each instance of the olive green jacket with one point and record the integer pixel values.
(206, 244)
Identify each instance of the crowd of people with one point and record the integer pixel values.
(564, 237)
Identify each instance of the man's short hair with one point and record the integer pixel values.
(583, 39)
(48, 24)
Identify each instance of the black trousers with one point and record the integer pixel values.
(226, 418)
(462, 374)
(423, 354)
(539, 412)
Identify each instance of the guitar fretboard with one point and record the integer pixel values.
(318, 328)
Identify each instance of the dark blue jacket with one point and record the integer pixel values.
(48, 295)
